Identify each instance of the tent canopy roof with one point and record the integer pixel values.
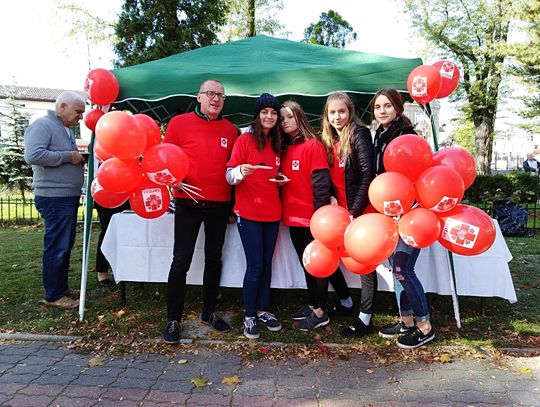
(304, 72)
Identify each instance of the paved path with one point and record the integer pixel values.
(50, 374)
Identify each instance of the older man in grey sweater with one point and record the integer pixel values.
(57, 165)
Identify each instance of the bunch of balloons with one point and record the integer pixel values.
(427, 82)
(436, 182)
(135, 165)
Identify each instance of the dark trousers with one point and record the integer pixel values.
(105, 215)
(60, 217)
(259, 241)
(187, 222)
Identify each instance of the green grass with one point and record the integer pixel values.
(487, 322)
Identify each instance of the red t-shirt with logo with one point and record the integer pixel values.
(337, 173)
(208, 145)
(257, 198)
(297, 164)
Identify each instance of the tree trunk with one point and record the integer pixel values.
(251, 18)
(23, 196)
(483, 142)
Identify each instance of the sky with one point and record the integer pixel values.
(35, 50)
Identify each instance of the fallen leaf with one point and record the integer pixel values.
(182, 361)
(369, 371)
(120, 313)
(231, 380)
(264, 351)
(97, 361)
(199, 381)
(525, 370)
(445, 358)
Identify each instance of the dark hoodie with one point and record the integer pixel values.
(384, 136)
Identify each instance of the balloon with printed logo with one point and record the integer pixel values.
(460, 160)
(105, 198)
(424, 83)
(91, 118)
(419, 228)
(391, 193)
(165, 164)
(449, 77)
(328, 225)
(467, 230)
(150, 128)
(319, 260)
(357, 268)
(118, 133)
(116, 175)
(439, 188)
(409, 155)
(101, 86)
(100, 153)
(150, 200)
(371, 238)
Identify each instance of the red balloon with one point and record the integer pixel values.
(105, 198)
(150, 128)
(460, 160)
(419, 228)
(118, 133)
(100, 153)
(449, 77)
(328, 224)
(165, 164)
(116, 175)
(101, 86)
(424, 83)
(392, 193)
(357, 268)
(409, 155)
(150, 200)
(371, 238)
(319, 260)
(439, 188)
(92, 117)
(467, 230)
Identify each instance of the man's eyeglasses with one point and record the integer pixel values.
(211, 94)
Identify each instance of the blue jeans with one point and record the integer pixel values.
(410, 294)
(60, 216)
(259, 241)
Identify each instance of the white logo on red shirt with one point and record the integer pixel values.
(341, 164)
(296, 165)
(224, 142)
(278, 161)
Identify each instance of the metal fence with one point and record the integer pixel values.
(16, 211)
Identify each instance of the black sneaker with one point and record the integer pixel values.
(415, 338)
(357, 329)
(341, 311)
(269, 320)
(313, 322)
(251, 329)
(216, 322)
(171, 333)
(395, 330)
(302, 313)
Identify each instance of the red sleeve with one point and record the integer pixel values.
(238, 155)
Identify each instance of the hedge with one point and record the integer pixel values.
(518, 187)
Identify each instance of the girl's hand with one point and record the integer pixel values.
(333, 200)
(247, 169)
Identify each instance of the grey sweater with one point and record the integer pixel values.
(47, 147)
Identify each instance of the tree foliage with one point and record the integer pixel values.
(331, 30)
(152, 29)
(475, 34)
(527, 54)
(248, 18)
(15, 173)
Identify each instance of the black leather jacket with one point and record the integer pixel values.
(384, 136)
(359, 171)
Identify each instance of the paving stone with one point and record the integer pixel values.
(23, 368)
(103, 371)
(18, 378)
(10, 360)
(296, 392)
(208, 400)
(303, 402)
(526, 398)
(87, 380)
(79, 402)
(133, 383)
(132, 373)
(256, 390)
(471, 397)
(427, 397)
(458, 385)
(239, 400)
(183, 386)
(51, 390)
(11, 388)
(124, 394)
(25, 348)
(22, 400)
(46, 378)
(73, 390)
(162, 396)
(41, 360)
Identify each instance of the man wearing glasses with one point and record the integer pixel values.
(207, 139)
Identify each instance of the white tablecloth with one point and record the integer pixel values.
(141, 250)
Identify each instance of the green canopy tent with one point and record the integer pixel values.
(287, 69)
(304, 72)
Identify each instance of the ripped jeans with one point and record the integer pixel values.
(410, 294)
